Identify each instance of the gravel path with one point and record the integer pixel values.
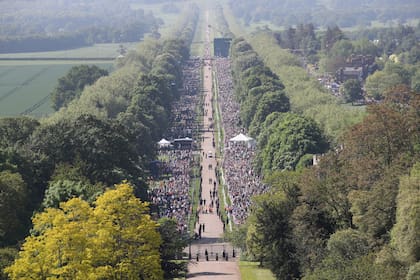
(219, 262)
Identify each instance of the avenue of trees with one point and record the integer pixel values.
(284, 138)
(103, 133)
(28, 26)
(354, 215)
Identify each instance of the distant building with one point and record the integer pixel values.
(346, 73)
(222, 47)
(357, 67)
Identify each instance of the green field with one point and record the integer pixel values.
(25, 85)
(95, 51)
(251, 271)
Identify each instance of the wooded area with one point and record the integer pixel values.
(29, 26)
(100, 136)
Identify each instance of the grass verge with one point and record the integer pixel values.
(194, 192)
(251, 271)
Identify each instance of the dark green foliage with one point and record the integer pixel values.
(173, 243)
(270, 237)
(7, 256)
(16, 131)
(347, 245)
(258, 89)
(270, 102)
(352, 90)
(15, 217)
(237, 237)
(286, 139)
(72, 84)
(104, 148)
(301, 38)
(62, 190)
(67, 182)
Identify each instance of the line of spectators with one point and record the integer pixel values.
(243, 183)
(170, 193)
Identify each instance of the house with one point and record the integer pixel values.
(346, 73)
(357, 67)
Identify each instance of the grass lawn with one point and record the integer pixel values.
(251, 271)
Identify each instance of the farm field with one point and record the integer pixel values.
(95, 51)
(25, 88)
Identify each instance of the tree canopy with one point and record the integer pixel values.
(115, 238)
(72, 84)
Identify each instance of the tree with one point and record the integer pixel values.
(405, 233)
(287, 139)
(376, 153)
(348, 244)
(337, 55)
(7, 256)
(16, 131)
(379, 82)
(269, 235)
(352, 90)
(67, 182)
(103, 149)
(14, 218)
(63, 190)
(173, 243)
(332, 35)
(72, 84)
(270, 102)
(115, 239)
(414, 272)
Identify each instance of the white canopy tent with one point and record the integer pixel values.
(164, 143)
(241, 138)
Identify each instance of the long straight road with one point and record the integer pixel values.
(212, 259)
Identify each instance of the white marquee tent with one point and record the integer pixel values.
(164, 143)
(241, 138)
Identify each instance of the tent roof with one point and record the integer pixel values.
(241, 138)
(183, 139)
(164, 141)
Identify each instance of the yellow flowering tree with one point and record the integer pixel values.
(115, 239)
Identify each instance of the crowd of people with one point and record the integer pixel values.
(170, 192)
(242, 182)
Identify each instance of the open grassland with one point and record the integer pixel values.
(251, 271)
(25, 88)
(96, 51)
